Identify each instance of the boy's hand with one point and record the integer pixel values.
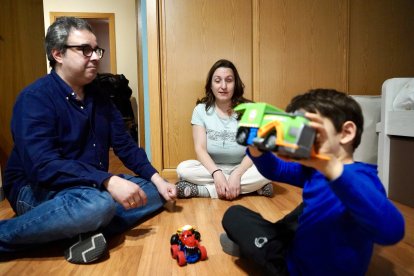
(255, 152)
(327, 142)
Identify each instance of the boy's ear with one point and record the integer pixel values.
(348, 132)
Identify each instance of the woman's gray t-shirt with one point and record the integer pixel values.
(221, 135)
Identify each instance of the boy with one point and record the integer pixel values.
(344, 211)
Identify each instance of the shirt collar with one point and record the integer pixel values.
(65, 90)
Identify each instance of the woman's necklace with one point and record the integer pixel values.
(224, 117)
(225, 120)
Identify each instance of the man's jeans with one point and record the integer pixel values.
(45, 216)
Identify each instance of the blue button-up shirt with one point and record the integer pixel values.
(60, 141)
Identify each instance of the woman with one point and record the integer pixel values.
(222, 169)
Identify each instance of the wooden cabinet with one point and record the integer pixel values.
(280, 47)
(381, 43)
(302, 45)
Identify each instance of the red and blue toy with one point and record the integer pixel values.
(185, 246)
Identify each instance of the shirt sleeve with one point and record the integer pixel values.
(132, 156)
(362, 193)
(198, 117)
(278, 170)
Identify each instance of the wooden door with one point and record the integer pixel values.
(22, 58)
(194, 35)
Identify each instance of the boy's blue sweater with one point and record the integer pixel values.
(341, 220)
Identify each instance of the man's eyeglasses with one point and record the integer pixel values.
(87, 50)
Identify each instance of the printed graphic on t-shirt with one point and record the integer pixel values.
(221, 136)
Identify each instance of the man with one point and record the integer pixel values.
(57, 179)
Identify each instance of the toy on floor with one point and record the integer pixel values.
(185, 246)
(272, 129)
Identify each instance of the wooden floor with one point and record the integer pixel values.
(145, 250)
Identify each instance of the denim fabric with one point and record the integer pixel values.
(44, 216)
(126, 219)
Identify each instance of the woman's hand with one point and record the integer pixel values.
(221, 184)
(234, 186)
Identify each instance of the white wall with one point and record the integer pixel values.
(125, 30)
(101, 29)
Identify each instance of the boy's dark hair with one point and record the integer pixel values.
(334, 105)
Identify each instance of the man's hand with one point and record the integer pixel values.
(125, 192)
(165, 188)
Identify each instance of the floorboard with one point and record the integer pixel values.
(145, 250)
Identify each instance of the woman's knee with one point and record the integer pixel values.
(185, 168)
(180, 169)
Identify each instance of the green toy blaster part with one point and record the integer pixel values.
(272, 129)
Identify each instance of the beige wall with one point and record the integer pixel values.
(125, 30)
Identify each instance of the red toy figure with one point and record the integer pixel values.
(185, 246)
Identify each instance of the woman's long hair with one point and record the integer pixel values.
(237, 97)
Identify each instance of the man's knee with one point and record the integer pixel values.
(105, 202)
(97, 206)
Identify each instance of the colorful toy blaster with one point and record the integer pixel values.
(185, 246)
(272, 129)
